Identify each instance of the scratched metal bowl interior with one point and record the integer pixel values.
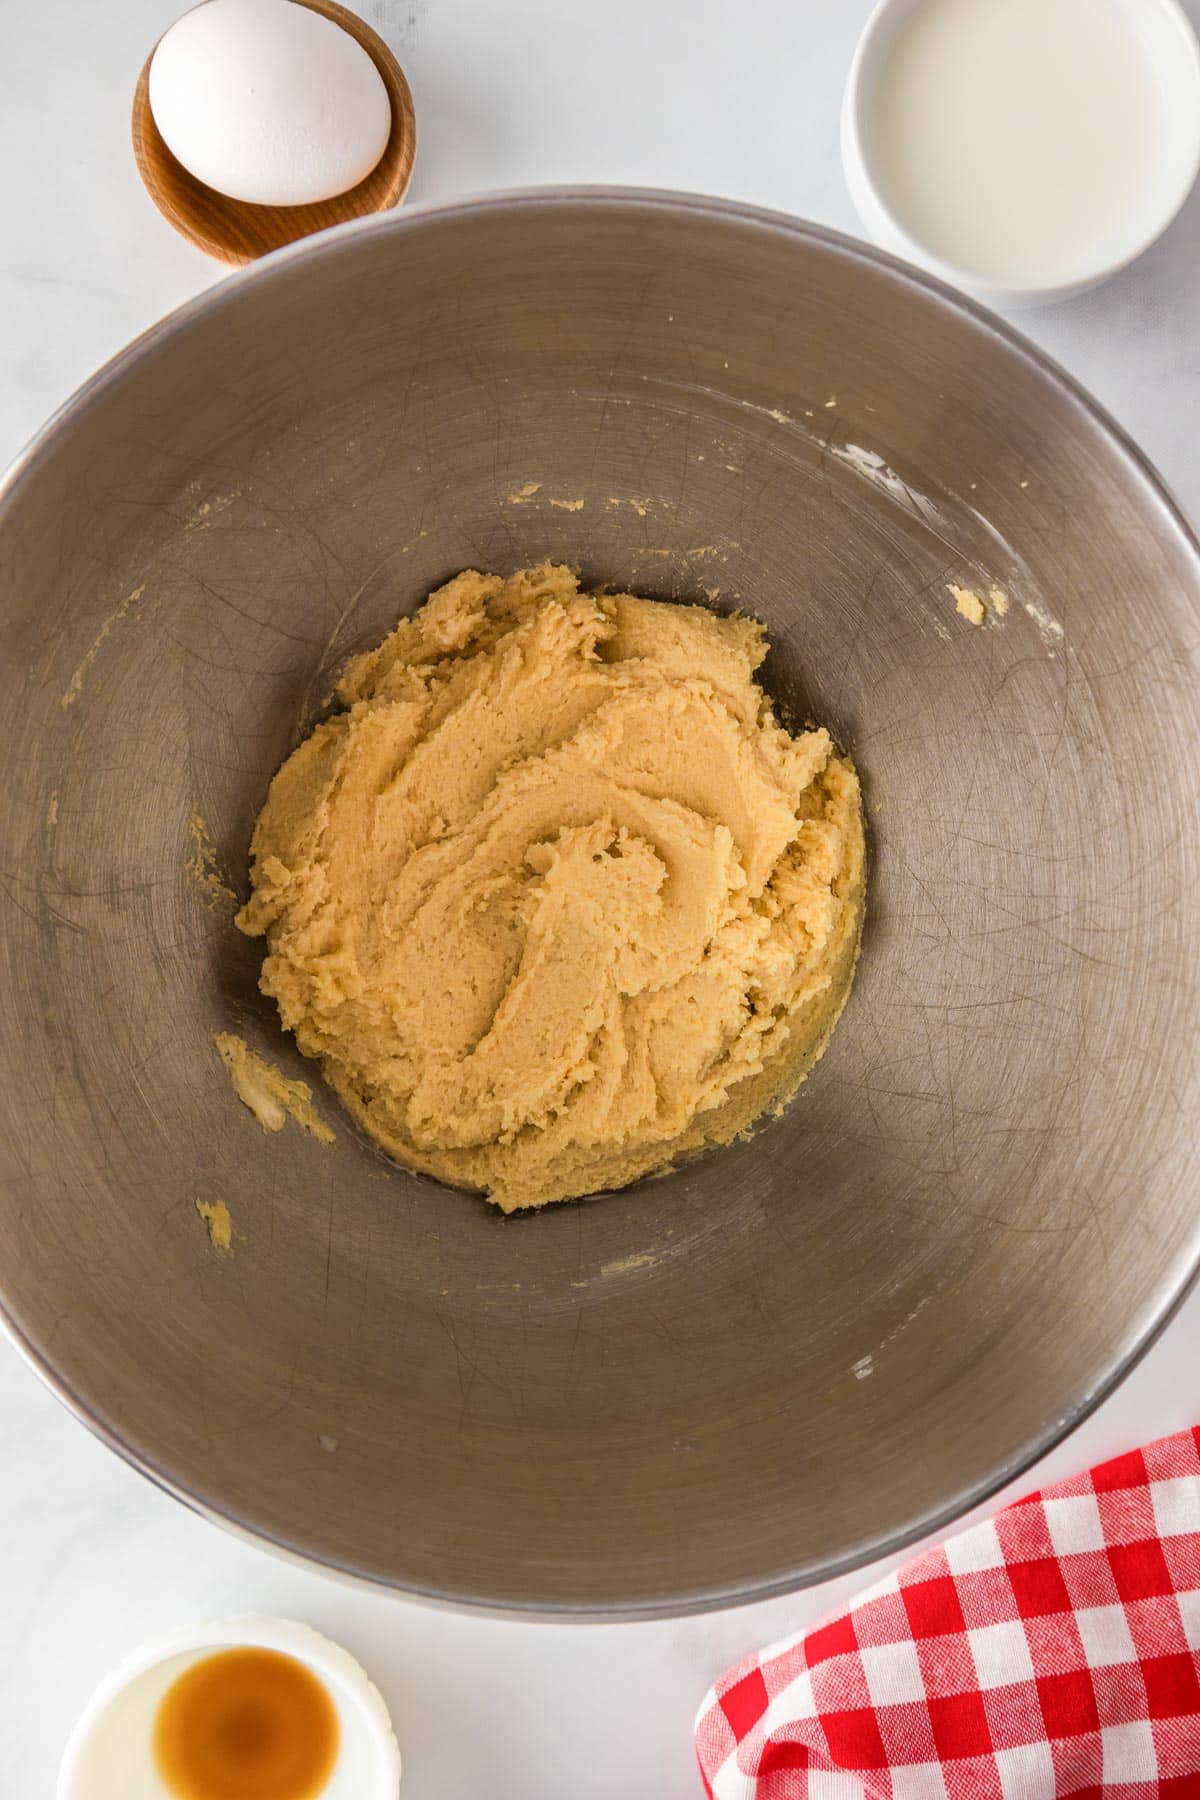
(799, 1351)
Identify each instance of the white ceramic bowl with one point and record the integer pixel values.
(1172, 46)
(109, 1755)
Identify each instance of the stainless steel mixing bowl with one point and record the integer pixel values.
(810, 1347)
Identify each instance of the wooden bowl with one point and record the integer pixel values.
(234, 231)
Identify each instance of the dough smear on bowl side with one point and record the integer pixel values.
(555, 899)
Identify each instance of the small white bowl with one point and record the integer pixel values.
(110, 1755)
(1171, 43)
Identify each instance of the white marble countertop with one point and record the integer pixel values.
(697, 94)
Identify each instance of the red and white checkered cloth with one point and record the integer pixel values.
(1053, 1650)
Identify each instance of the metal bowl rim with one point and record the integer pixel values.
(1176, 1287)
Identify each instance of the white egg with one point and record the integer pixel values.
(110, 1754)
(268, 101)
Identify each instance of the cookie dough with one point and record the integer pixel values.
(555, 899)
(266, 1090)
(218, 1222)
